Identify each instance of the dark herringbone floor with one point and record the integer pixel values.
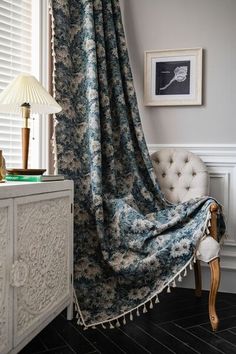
(179, 324)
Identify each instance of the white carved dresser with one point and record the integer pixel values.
(36, 247)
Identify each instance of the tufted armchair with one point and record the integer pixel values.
(182, 175)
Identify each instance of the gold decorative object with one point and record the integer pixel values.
(2, 168)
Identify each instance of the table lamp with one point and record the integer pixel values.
(26, 95)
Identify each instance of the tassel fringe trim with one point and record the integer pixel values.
(121, 319)
(53, 138)
(149, 304)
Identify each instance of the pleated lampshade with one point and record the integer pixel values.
(25, 88)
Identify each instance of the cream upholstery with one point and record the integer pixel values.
(208, 249)
(181, 174)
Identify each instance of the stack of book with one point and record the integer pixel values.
(33, 178)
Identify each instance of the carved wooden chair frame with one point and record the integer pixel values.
(215, 273)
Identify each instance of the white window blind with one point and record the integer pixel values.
(15, 58)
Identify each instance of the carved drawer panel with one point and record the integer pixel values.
(40, 274)
(6, 256)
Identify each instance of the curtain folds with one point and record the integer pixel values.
(129, 243)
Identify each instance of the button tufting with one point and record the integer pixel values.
(178, 172)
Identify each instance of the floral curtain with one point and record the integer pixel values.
(129, 243)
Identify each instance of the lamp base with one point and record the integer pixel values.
(25, 171)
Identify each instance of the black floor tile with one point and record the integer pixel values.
(185, 307)
(125, 342)
(35, 346)
(179, 324)
(72, 338)
(61, 350)
(100, 340)
(196, 343)
(214, 340)
(193, 317)
(227, 320)
(228, 335)
(227, 297)
(170, 341)
(50, 338)
(149, 343)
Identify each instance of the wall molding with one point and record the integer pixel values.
(223, 152)
(221, 162)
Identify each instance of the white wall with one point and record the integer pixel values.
(208, 130)
(173, 24)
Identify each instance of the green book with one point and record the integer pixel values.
(23, 178)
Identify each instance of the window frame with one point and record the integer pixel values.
(40, 58)
(40, 68)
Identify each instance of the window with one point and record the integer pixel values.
(22, 37)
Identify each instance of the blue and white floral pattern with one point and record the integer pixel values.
(129, 243)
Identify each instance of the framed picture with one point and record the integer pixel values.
(173, 77)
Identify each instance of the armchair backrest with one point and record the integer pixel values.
(181, 174)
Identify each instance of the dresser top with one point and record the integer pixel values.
(21, 189)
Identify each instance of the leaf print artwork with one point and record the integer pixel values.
(173, 77)
(180, 76)
(129, 242)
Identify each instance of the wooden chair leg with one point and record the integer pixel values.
(215, 281)
(198, 278)
(215, 272)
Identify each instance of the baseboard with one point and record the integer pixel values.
(227, 283)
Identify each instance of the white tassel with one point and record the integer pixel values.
(117, 323)
(168, 289)
(151, 305)
(209, 223)
(190, 266)
(131, 316)
(174, 284)
(207, 231)
(111, 325)
(185, 272)
(157, 300)
(180, 278)
(144, 308)
(77, 315)
(194, 259)
(124, 320)
(137, 312)
(103, 326)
